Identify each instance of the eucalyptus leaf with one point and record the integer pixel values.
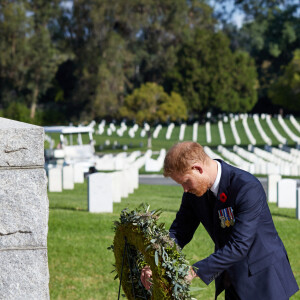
(156, 258)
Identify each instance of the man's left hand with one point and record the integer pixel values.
(191, 275)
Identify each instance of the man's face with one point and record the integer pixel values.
(194, 181)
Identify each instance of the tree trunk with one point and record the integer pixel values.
(34, 102)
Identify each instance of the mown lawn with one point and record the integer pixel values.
(80, 264)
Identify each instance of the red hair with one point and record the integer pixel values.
(181, 156)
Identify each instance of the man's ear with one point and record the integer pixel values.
(197, 167)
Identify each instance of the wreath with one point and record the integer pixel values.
(148, 243)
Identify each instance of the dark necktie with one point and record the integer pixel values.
(211, 202)
(212, 198)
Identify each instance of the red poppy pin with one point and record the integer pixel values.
(223, 197)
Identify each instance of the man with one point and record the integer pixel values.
(250, 261)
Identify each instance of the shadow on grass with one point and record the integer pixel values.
(278, 214)
(170, 210)
(68, 208)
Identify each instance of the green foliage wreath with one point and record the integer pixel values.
(149, 244)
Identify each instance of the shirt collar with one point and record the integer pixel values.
(215, 186)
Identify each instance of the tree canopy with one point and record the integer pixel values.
(209, 75)
(79, 60)
(285, 91)
(29, 60)
(151, 104)
(270, 36)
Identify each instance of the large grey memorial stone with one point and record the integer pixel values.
(287, 193)
(23, 212)
(100, 192)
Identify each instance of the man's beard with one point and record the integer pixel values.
(203, 187)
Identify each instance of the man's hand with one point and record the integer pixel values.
(191, 275)
(146, 276)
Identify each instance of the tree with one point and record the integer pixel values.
(209, 75)
(102, 62)
(248, 9)
(151, 104)
(111, 78)
(30, 59)
(44, 61)
(285, 91)
(256, 8)
(14, 30)
(119, 45)
(43, 57)
(165, 26)
(270, 36)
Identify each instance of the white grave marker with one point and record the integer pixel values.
(124, 184)
(169, 131)
(117, 185)
(55, 180)
(181, 133)
(208, 132)
(68, 182)
(298, 204)
(78, 173)
(287, 193)
(272, 187)
(195, 131)
(100, 192)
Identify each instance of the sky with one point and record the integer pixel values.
(237, 16)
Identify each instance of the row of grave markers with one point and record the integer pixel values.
(116, 177)
(253, 160)
(260, 166)
(233, 118)
(63, 177)
(106, 188)
(259, 161)
(284, 192)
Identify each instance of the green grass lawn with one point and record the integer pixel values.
(230, 141)
(282, 132)
(259, 141)
(80, 264)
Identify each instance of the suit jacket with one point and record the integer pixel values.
(249, 253)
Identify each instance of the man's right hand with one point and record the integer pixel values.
(146, 276)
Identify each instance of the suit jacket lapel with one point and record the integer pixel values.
(224, 183)
(223, 193)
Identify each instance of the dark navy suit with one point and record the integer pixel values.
(249, 255)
